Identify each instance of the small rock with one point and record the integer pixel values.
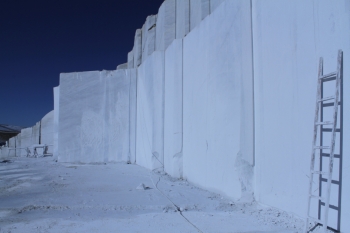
(142, 186)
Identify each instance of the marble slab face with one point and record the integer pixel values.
(18, 145)
(36, 133)
(166, 29)
(26, 140)
(12, 142)
(182, 18)
(214, 4)
(199, 9)
(149, 36)
(12, 145)
(4, 152)
(122, 66)
(137, 50)
(150, 105)
(214, 65)
(47, 131)
(56, 102)
(173, 110)
(94, 116)
(131, 59)
(132, 76)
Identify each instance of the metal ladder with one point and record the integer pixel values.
(321, 78)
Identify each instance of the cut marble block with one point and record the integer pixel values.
(94, 116)
(137, 50)
(12, 146)
(131, 59)
(199, 9)
(149, 36)
(132, 75)
(56, 93)
(47, 131)
(4, 152)
(26, 140)
(150, 105)
(36, 133)
(18, 145)
(215, 60)
(166, 29)
(214, 4)
(182, 18)
(12, 142)
(122, 66)
(173, 110)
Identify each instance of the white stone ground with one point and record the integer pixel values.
(41, 195)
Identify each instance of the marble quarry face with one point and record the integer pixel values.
(150, 107)
(47, 131)
(218, 92)
(94, 116)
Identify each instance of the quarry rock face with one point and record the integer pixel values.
(47, 131)
(219, 92)
(94, 119)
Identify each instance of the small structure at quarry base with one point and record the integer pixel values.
(218, 92)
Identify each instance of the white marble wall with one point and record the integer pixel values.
(131, 59)
(18, 145)
(26, 140)
(36, 133)
(165, 29)
(216, 62)
(149, 36)
(173, 110)
(150, 107)
(56, 102)
(137, 50)
(289, 38)
(182, 18)
(132, 75)
(47, 131)
(122, 66)
(199, 9)
(12, 145)
(94, 116)
(214, 4)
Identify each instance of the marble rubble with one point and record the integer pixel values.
(218, 92)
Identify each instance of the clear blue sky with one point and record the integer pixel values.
(41, 39)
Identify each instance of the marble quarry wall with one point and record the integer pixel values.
(150, 109)
(93, 119)
(287, 47)
(56, 94)
(218, 92)
(217, 100)
(47, 131)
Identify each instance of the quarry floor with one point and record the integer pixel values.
(41, 195)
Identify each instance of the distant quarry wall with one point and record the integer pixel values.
(39, 134)
(218, 92)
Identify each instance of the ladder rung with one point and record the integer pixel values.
(330, 75)
(320, 172)
(322, 147)
(317, 197)
(316, 220)
(324, 123)
(327, 98)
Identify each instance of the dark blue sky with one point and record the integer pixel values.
(41, 39)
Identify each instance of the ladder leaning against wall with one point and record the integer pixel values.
(327, 150)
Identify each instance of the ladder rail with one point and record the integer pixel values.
(312, 165)
(331, 155)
